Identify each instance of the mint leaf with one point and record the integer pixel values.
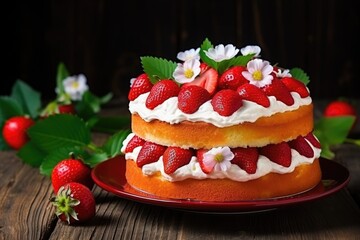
(158, 68)
(62, 73)
(332, 131)
(113, 145)
(56, 156)
(31, 154)
(300, 75)
(27, 97)
(58, 131)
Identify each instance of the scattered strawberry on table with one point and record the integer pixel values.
(15, 131)
(340, 107)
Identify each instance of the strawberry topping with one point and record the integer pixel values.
(232, 78)
(254, 94)
(296, 86)
(279, 153)
(160, 92)
(191, 97)
(278, 89)
(134, 142)
(208, 80)
(302, 146)
(175, 157)
(246, 158)
(141, 85)
(149, 153)
(226, 102)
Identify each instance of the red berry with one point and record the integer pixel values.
(71, 170)
(66, 108)
(252, 93)
(296, 86)
(232, 78)
(175, 157)
(191, 97)
(149, 153)
(15, 131)
(200, 156)
(246, 158)
(75, 203)
(339, 108)
(141, 85)
(302, 147)
(133, 143)
(279, 153)
(278, 89)
(160, 92)
(207, 79)
(313, 140)
(226, 102)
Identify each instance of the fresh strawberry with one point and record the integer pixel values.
(67, 108)
(278, 89)
(140, 85)
(340, 108)
(200, 156)
(15, 131)
(232, 78)
(175, 157)
(203, 67)
(302, 147)
(279, 153)
(295, 85)
(313, 140)
(149, 153)
(75, 203)
(191, 97)
(226, 102)
(208, 80)
(134, 142)
(71, 170)
(246, 158)
(161, 91)
(254, 94)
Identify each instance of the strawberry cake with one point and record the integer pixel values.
(221, 124)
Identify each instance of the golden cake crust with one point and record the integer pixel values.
(266, 130)
(273, 185)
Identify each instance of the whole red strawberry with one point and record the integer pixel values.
(226, 102)
(149, 153)
(176, 157)
(67, 108)
(232, 78)
(339, 108)
(160, 92)
(191, 97)
(141, 85)
(74, 203)
(15, 131)
(71, 170)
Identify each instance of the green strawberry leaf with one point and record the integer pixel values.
(300, 75)
(206, 45)
(27, 97)
(31, 154)
(96, 158)
(60, 130)
(158, 68)
(332, 131)
(113, 145)
(109, 124)
(56, 156)
(236, 61)
(9, 107)
(62, 73)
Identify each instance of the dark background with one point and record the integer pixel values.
(104, 39)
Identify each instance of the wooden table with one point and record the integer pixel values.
(26, 213)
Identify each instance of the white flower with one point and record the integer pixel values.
(251, 49)
(189, 54)
(75, 86)
(187, 71)
(282, 73)
(221, 52)
(218, 158)
(258, 72)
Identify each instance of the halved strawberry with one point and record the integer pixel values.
(313, 140)
(279, 153)
(232, 78)
(200, 156)
(191, 97)
(208, 80)
(295, 85)
(149, 153)
(246, 158)
(175, 157)
(254, 94)
(134, 142)
(302, 147)
(141, 85)
(226, 102)
(161, 91)
(278, 89)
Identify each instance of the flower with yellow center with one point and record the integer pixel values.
(187, 71)
(218, 159)
(258, 72)
(75, 86)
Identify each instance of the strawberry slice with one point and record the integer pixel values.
(149, 153)
(134, 142)
(232, 78)
(141, 85)
(246, 158)
(226, 102)
(295, 85)
(278, 89)
(160, 92)
(191, 97)
(313, 140)
(302, 147)
(208, 80)
(279, 153)
(175, 157)
(254, 94)
(200, 156)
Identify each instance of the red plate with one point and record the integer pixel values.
(110, 175)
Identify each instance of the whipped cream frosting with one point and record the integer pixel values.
(235, 173)
(248, 112)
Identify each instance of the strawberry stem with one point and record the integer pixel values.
(353, 141)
